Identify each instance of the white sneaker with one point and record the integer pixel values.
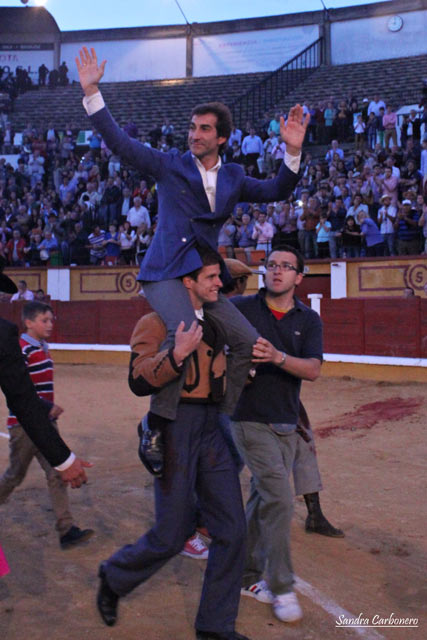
(286, 607)
(195, 548)
(259, 591)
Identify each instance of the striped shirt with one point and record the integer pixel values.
(40, 368)
(97, 244)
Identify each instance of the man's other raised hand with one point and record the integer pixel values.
(293, 130)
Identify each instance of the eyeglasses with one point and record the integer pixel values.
(283, 266)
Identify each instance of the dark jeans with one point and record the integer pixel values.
(198, 466)
(310, 244)
(376, 250)
(351, 251)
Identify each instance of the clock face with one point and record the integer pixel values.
(395, 23)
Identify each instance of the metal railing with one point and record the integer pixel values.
(267, 93)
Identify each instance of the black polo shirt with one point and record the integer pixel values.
(273, 395)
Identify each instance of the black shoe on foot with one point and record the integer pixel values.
(75, 536)
(106, 600)
(212, 635)
(151, 447)
(321, 526)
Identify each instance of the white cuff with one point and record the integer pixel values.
(292, 162)
(65, 465)
(93, 103)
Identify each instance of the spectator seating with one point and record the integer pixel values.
(399, 81)
(147, 103)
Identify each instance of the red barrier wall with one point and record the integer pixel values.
(370, 326)
(91, 322)
(376, 326)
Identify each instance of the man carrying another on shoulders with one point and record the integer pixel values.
(198, 467)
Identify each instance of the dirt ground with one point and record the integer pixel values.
(372, 452)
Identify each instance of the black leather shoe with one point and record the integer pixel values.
(323, 527)
(212, 635)
(75, 536)
(151, 448)
(106, 600)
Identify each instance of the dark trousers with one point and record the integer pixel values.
(198, 467)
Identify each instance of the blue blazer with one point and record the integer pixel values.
(184, 216)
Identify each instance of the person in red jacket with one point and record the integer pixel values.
(15, 249)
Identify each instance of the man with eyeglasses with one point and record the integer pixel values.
(264, 424)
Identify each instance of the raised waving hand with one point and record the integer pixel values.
(90, 72)
(293, 131)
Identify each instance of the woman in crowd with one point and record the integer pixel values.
(351, 238)
(143, 239)
(127, 243)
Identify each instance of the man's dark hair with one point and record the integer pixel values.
(224, 120)
(208, 257)
(34, 308)
(289, 249)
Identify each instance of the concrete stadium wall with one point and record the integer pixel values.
(352, 34)
(250, 51)
(370, 38)
(129, 60)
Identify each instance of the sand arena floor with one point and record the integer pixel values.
(372, 450)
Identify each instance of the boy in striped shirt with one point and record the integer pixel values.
(38, 320)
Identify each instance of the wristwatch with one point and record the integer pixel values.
(283, 360)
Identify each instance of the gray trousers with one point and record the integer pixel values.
(21, 452)
(171, 301)
(269, 457)
(305, 469)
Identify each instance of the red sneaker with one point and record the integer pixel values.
(195, 548)
(205, 533)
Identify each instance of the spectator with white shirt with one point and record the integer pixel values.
(138, 214)
(375, 105)
(23, 293)
(235, 135)
(359, 131)
(127, 237)
(269, 145)
(278, 154)
(386, 218)
(335, 149)
(252, 149)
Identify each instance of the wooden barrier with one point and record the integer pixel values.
(365, 277)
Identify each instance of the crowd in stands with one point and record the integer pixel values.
(62, 206)
(15, 82)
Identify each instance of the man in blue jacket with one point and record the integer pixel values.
(196, 193)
